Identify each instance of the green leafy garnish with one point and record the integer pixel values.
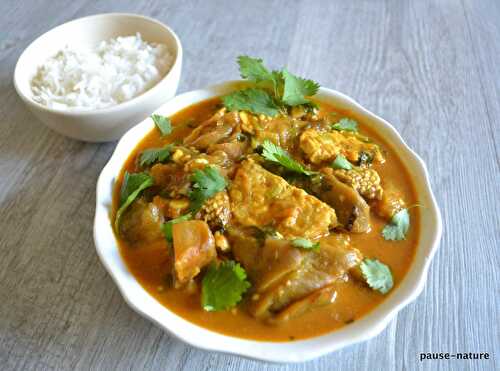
(206, 183)
(365, 159)
(297, 88)
(163, 124)
(398, 227)
(346, 124)
(377, 275)
(274, 92)
(132, 186)
(254, 100)
(223, 286)
(166, 228)
(253, 69)
(153, 155)
(305, 244)
(341, 162)
(274, 153)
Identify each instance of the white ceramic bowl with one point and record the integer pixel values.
(296, 351)
(105, 124)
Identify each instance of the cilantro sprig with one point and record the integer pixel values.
(377, 275)
(296, 89)
(346, 124)
(132, 186)
(163, 124)
(206, 183)
(365, 159)
(398, 226)
(274, 153)
(341, 162)
(223, 286)
(254, 100)
(152, 155)
(275, 91)
(253, 69)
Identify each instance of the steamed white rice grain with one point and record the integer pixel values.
(116, 71)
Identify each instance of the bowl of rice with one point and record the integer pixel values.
(95, 77)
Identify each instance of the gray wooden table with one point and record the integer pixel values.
(430, 68)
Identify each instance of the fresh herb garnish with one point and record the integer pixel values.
(296, 89)
(206, 183)
(132, 186)
(377, 275)
(163, 124)
(166, 228)
(223, 286)
(398, 226)
(254, 100)
(252, 69)
(341, 162)
(365, 159)
(305, 244)
(274, 153)
(346, 124)
(153, 155)
(275, 91)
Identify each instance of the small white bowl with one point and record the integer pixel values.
(296, 351)
(106, 124)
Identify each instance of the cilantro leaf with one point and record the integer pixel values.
(153, 155)
(132, 186)
(253, 69)
(297, 88)
(223, 286)
(206, 183)
(166, 228)
(278, 83)
(365, 158)
(305, 244)
(377, 275)
(346, 124)
(274, 153)
(254, 100)
(276, 89)
(398, 227)
(341, 162)
(163, 124)
(130, 183)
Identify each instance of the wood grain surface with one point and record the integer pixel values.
(431, 68)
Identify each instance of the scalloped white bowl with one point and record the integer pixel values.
(297, 351)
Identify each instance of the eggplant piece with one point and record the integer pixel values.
(324, 296)
(194, 248)
(234, 150)
(141, 223)
(284, 275)
(220, 126)
(352, 210)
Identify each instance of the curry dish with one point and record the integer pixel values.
(266, 214)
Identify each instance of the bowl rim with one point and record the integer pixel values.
(123, 105)
(363, 329)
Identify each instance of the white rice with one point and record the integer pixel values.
(115, 71)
